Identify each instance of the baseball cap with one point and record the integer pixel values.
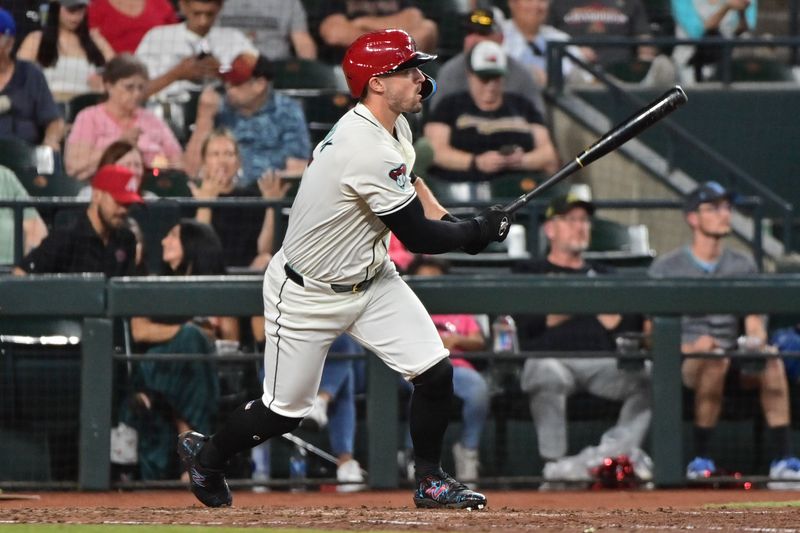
(710, 191)
(246, 67)
(119, 182)
(561, 205)
(481, 21)
(7, 24)
(73, 3)
(487, 59)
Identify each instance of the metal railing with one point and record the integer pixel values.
(558, 50)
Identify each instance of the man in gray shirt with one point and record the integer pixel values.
(452, 77)
(275, 26)
(708, 214)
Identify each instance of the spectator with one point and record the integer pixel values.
(708, 18)
(120, 117)
(247, 233)
(484, 132)
(33, 228)
(278, 28)
(612, 18)
(97, 240)
(270, 127)
(345, 20)
(461, 333)
(120, 153)
(335, 408)
(174, 396)
(124, 22)
(549, 381)
(526, 37)
(182, 57)
(27, 109)
(28, 14)
(480, 26)
(68, 53)
(708, 214)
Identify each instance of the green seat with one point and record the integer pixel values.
(608, 235)
(632, 71)
(20, 157)
(167, 183)
(80, 102)
(759, 69)
(323, 110)
(306, 74)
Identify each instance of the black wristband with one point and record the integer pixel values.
(413, 177)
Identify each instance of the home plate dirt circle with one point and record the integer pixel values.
(587, 512)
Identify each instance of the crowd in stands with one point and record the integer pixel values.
(139, 91)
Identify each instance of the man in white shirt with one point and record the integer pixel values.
(180, 57)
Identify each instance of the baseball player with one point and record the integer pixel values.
(333, 275)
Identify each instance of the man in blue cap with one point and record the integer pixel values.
(27, 108)
(708, 212)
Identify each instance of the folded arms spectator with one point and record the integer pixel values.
(276, 27)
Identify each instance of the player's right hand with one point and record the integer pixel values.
(493, 225)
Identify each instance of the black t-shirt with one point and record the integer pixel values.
(476, 131)
(353, 9)
(32, 104)
(580, 332)
(238, 227)
(75, 247)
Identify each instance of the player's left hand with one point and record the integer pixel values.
(493, 225)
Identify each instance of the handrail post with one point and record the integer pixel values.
(667, 426)
(382, 424)
(555, 76)
(18, 234)
(96, 397)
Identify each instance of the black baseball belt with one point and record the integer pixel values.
(293, 275)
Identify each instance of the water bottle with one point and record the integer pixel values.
(504, 331)
(298, 468)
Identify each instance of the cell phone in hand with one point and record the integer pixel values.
(507, 149)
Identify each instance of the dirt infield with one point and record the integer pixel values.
(699, 510)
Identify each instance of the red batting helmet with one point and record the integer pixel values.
(383, 52)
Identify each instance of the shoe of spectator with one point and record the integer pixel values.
(318, 417)
(260, 476)
(440, 490)
(701, 468)
(466, 461)
(350, 472)
(787, 470)
(405, 464)
(207, 484)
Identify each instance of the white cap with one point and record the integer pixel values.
(487, 59)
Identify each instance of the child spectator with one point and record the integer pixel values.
(68, 53)
(120, 117)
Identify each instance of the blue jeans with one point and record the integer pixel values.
(470, 387)
(338, 380)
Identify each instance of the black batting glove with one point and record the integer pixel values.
(493, 225)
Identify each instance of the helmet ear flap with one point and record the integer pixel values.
(428, 87)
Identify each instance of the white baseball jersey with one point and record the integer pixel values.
(357, 173)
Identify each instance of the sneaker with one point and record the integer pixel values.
(350, 473)
(405, 465)
(787, 469)
(318, 417)
(440, 490)
(701, 468)
(466, 461)
(207, 484)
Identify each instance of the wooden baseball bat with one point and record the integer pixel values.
(619, 135)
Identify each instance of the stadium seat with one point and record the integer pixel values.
(760, 69)
(167, 182)
(629, 71)
(306, 74)
(323, 110)
(20, 157)
(79, 103)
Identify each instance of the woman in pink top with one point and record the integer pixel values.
(120, 117)
(124, 22)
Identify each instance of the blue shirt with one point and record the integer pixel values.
(267, 138)
(32, 106)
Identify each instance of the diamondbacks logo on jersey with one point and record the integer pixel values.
(398, 174)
